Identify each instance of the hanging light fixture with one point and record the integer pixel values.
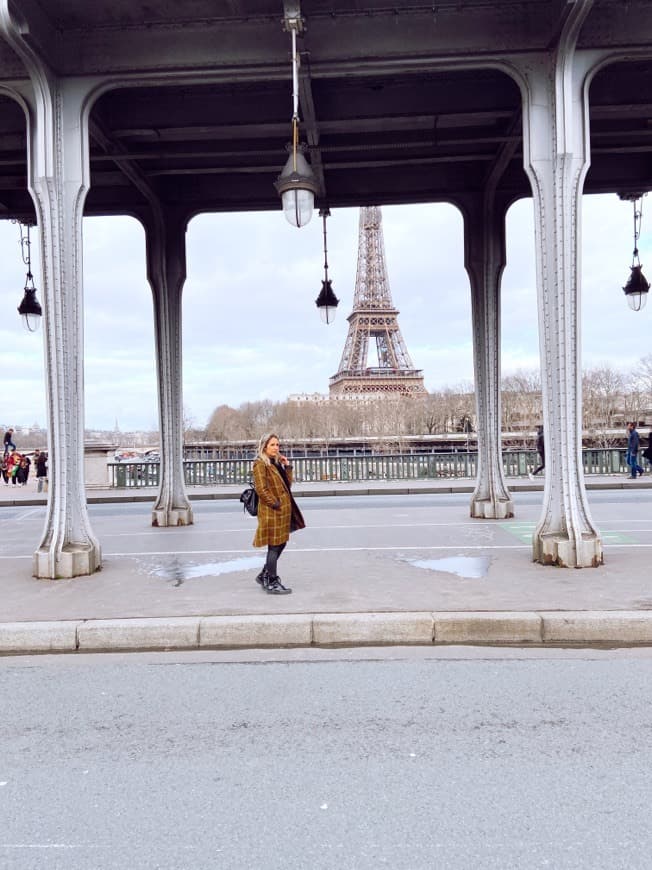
(637, 286)
(327, 301)
(296, 185)
(29, 309)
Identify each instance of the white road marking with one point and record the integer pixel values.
(327, 550)
(50, 846)
(419, 547)
(26, 515)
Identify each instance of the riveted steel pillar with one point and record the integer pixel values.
(556, 159)
(58, 181)
(484, 259)
(165, 232)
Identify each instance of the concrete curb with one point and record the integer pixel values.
(498, 628)
(38, 637)
(376, 629)
(488, 628)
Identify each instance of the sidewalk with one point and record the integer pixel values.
(344, 598)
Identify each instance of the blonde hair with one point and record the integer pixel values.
(262, 444)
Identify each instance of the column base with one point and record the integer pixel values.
(74, 560)
(558, 550)
(492, 509)
(172, 517)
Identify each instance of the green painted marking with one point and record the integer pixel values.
(617, 538)
(524, 531)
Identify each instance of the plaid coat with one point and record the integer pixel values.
(274, 526)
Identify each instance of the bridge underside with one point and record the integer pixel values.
(164, 110)
(396, 105)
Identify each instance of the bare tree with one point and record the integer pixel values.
(634, 399)
(603, 403)
(224, 424)
(458, 405)
(609, 398)
(521, 405)
(644, 375)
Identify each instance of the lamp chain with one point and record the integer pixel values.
(638, 216)
(325, 213)
(26, 254)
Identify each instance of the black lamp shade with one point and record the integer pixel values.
(327, 302)
(636, 288)
(30, 309)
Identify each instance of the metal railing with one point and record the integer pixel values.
(215, 472)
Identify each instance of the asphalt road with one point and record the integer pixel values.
(327, 759)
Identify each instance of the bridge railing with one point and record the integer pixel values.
(215, 472)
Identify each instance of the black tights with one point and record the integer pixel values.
(273, 554)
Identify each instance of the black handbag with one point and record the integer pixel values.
(249, 499)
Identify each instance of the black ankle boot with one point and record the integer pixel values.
(263, 578)
(275, 587)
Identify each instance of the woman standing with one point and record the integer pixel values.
(278, 513)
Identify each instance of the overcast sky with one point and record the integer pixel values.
(250, 326)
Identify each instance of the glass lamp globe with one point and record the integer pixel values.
(297, 187)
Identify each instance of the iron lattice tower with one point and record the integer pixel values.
(374, 317)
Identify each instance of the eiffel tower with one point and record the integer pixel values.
(374, 317)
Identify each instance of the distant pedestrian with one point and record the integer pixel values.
(647, 453)
(633, 443)
(278, 513)
(22, 472)
(13, 464)
(541, 450)
(9, 441)
(41, 462)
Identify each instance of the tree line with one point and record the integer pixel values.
(609, 398)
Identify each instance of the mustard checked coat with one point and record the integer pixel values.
(274, 525)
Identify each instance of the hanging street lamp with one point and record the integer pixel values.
(30, 308)
(327, 301)
(637, 286)
(296, 185)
